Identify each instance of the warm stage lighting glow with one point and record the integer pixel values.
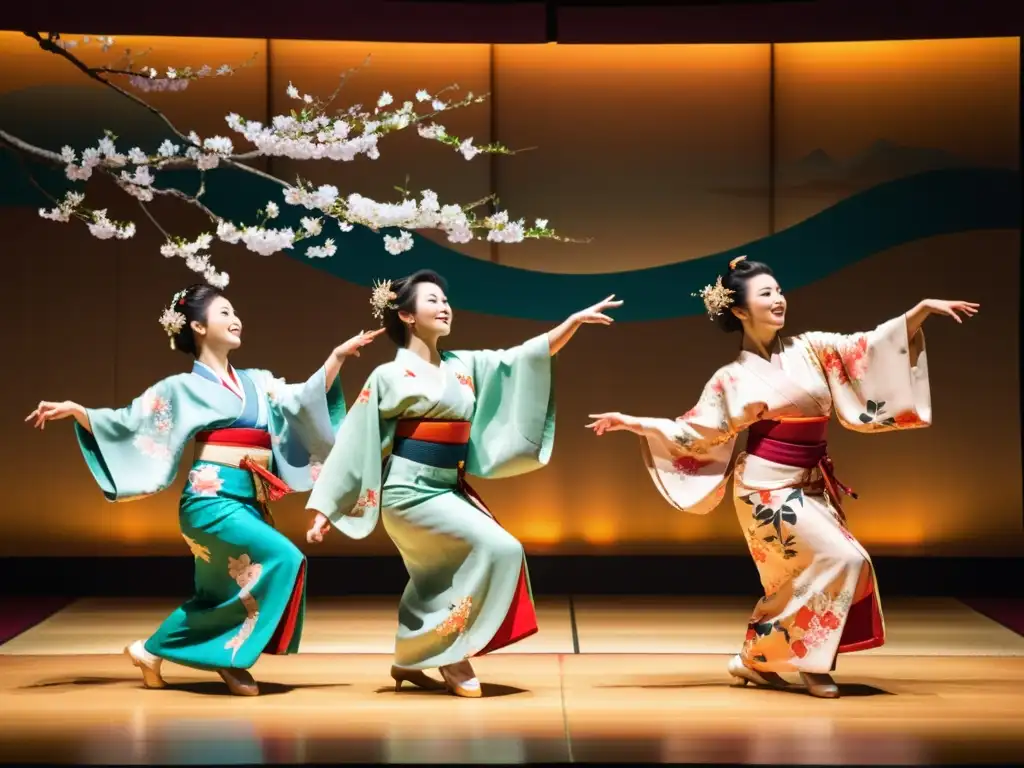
(544, 529)
(600, 530)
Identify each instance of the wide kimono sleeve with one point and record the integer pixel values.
(348, 488)
(513, 428)
(690, 458)
(875, 380)
(303, 419)
(133, 452)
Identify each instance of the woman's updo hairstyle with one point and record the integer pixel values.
(737, 275)
(194, 305)
(404, 300)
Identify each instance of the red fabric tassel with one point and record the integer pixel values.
(276, 487)
(829, 470)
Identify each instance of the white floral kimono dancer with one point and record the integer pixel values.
(821, 597)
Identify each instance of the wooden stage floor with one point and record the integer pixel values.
(606, 680)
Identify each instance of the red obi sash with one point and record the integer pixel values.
(247, 449)
(797, 443)
(434, 431)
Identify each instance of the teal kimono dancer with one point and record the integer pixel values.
(402, 454)
(256, 439)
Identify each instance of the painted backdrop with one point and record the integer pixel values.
(870, 174)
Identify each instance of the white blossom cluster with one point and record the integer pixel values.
(307, 133)
(174, 79)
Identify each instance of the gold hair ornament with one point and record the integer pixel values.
(717, 298)
(734, 262)
(381, 299)
(172, 320)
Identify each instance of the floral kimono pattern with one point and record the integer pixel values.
(821, 597)
(402, 456)
(255, 438)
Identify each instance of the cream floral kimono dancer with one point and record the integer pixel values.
(821, 597)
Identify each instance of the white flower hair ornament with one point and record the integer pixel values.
(172, 321)
(381, 299)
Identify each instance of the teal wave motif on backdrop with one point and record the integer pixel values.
(891, 214)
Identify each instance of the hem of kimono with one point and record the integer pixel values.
(521, 616)
(867, 638)
(520, 620)
(283, 636)
(183, 660)
(877, 637)
(277, 645)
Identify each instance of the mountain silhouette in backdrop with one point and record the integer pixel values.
(819, 174)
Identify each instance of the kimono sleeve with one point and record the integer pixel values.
(303, 419)
(134, 451)
(347, 490)
(875, 383)
(513, 428)
(690, 458)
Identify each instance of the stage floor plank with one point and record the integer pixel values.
(536, 707)
(332, 625)
(894, 710)
(915, 627)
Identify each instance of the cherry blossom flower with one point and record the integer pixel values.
(314, 130)
(397, 245)
(205, 481)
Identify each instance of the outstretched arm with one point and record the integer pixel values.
(926, 307)
(47, 411)
(615, 422)
(559, 336)
(332, 366)
(689, 457)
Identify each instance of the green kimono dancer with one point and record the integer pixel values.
(256, 439)
(402, 454)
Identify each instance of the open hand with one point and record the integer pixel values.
(595, 313)
(613, 422)
(47, 411)
(951, 308)
(351, 347)
(321, 525)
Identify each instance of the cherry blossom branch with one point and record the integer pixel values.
(13, 141)
(31, 176)
(51, 45)
(152, 218)
(343, 79)
(309, 133)
(380, 122)
(190, 199)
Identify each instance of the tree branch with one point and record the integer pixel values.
(13, 142)
(190, 199)
(32, 149)
(306, 134)
(344, 79)
(152, 218)
(32, 177)
(51, 46)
